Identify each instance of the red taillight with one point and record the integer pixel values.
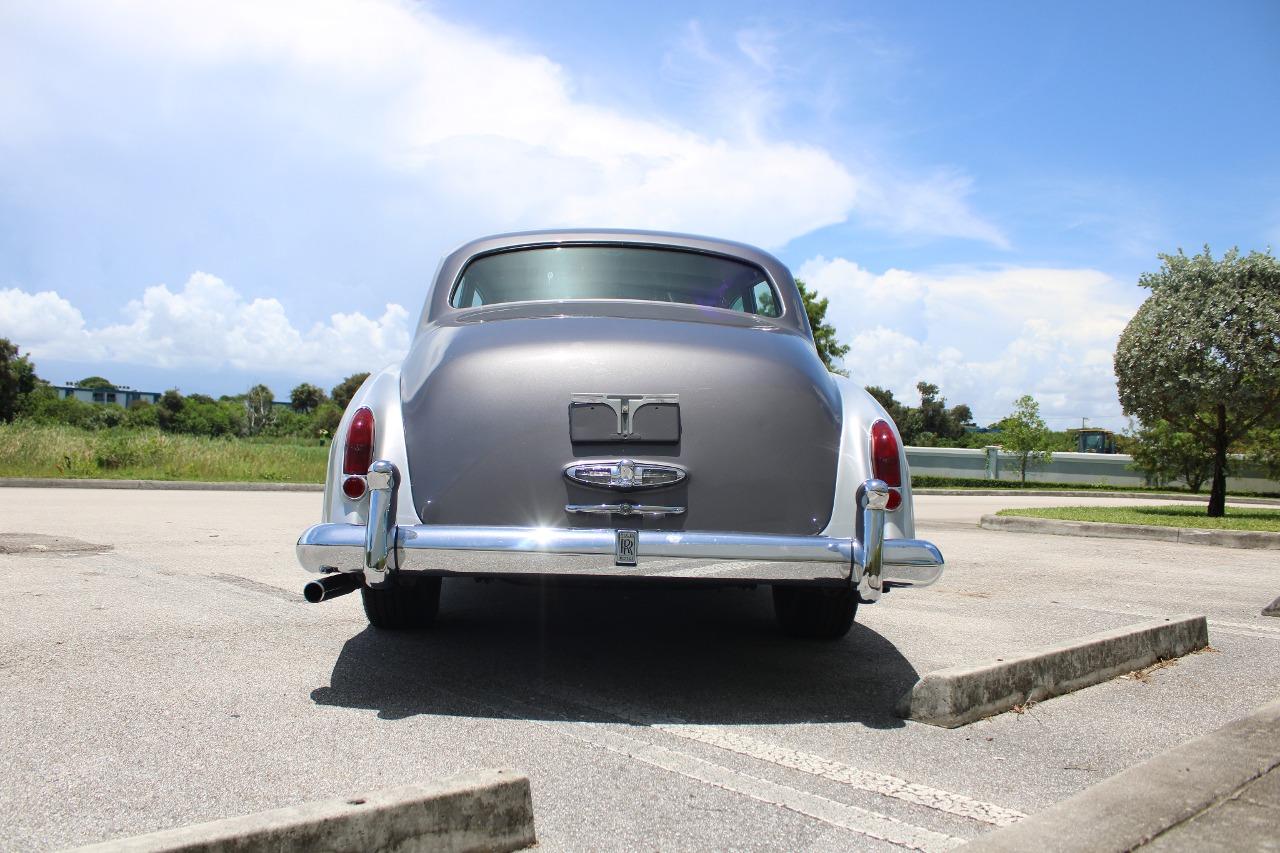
(358, 454)
(353, 487)
(886, 460)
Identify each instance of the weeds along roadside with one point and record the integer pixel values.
(54, 450)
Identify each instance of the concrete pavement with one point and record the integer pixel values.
(1243, 822)
(159, 668)
(1220, 791)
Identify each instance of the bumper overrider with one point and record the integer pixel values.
(347, 554)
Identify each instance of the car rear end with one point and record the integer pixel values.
(695, 438)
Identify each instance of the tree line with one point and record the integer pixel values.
(311, 413)
(1197, 367)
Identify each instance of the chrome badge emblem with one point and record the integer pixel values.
(625, 474)
(624, 547)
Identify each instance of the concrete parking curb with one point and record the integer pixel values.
(964, 694)
(1154, 798)
(175, 485)
(1092, 493)
(1254, 539)
(489, 810)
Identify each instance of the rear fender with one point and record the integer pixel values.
(859, 410)
(381, 394)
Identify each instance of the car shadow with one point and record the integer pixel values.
(604, 654)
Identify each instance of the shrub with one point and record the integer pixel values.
(115, 449)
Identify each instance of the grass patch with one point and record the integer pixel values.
(35, 450)
(1236, 518)
(926, 481)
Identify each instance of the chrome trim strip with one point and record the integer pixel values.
(480, 551)
(646, 510)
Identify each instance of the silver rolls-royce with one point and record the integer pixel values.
(616, 405)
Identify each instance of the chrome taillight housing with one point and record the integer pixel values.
(886, 460)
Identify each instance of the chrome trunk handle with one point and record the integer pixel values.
(646, 510)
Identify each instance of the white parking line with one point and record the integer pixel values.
(676, 563)
(1221, 628)
(858, 820)
(1240, 629)
(1267, 629)
(715, 569)
(879, 783)
(862, 821)
(781, 756)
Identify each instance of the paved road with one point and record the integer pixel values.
(158, 667)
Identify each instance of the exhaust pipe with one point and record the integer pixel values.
(331, 586)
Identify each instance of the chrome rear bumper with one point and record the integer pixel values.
(382, 549)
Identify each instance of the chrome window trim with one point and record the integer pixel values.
(765, 275)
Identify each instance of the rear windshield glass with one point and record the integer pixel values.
(616, 272)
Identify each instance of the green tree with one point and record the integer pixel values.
(169, 408)
(1263, 447)
(824, 334)
(325, 419)
(306, 398)
(96, 383)
(1024, 434)
(930, 424)
(1164, 454)
(17, 380)
(259, 409)
(935, 418)
(145, 416)
(198, 414)
(347, 388)
(891, 405)
(1203, 352)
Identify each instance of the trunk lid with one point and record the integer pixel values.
(487, 400)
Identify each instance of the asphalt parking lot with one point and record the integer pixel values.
(159, 667)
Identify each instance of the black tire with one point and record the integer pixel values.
(405, 603)
(815, 613)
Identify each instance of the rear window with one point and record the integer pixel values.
(616, 272)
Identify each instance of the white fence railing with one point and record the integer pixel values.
(1092, 468)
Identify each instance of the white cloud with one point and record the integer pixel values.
(751, 82)
(480, 124)
(486, 130)
(984, 336)
(936, 206)
(207, 325)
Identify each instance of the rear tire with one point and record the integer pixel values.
(815, 613)
(405, 603)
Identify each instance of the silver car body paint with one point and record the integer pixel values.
(451, 391)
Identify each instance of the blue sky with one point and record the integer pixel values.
(205, 195)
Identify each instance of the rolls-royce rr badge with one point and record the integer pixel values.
(624, 547)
